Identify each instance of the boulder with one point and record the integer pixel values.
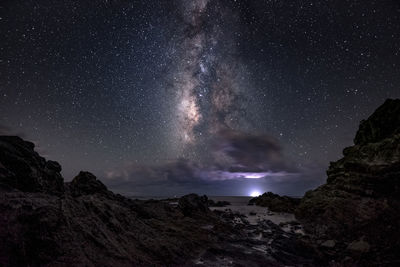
(86, 184)
(275, 202)
(193, 204)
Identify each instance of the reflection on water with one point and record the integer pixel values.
(253, 213)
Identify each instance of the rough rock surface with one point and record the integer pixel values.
(276, 202)
(193, 204)
(383, 123)
(360, 202)
(87, 184)
(23, 169)
(44, 222)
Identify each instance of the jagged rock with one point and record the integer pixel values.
(276, 202)
(84, 224)
(383, 123)
(85, 184)
(362, 194)
(193, 204)
(23, 169)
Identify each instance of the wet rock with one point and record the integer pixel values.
(276, 202)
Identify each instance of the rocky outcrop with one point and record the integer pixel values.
(23, 169)
(383, 123)
(276, 202)
(360, 202)
(86, 184)
(47, 223)
(193, 204)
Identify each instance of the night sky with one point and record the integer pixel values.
(219, 97)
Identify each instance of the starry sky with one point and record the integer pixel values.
(219, 97)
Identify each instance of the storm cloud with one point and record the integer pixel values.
(251, 153)
(237, 161)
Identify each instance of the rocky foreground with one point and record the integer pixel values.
(355, 216)
(352, 220)
(46, 222)
(359, 206)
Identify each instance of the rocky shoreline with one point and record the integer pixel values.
(355, 216)
(352, 220)
(81, 223)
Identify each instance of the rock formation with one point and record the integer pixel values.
(44, 222)
(193, 204)
(276, 202)
(85, 184)
(360, 202)
(23, 169)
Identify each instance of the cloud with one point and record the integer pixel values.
(250, 153)
(179, 171)
(182, 177)
(238, 161)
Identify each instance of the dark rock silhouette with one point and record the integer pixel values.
(360, 202)
(23, 169)
(276, 202)
(383, 123)
(193, 204)
(44, 222)
(86, 184)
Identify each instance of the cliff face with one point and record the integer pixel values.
(360, 201)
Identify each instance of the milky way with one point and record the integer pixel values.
(204, 78)
(171, 97)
